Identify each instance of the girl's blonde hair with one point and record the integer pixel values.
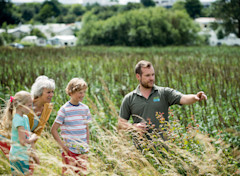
(20, 98)
(76, 84)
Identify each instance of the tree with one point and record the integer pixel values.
(29, 10)
(7, 13)
(193, 8)
(179, 5)
(49, 9)
(143, 27)
(229, 12)
(27, 13)
(148, 3)
(91, 6)
(70, 18)
(38, 33)
(2, 41)
(130, 6)
(220, 34)
(77, 9)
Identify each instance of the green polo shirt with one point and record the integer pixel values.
(135, 105)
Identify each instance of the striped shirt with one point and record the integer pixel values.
(74, 120)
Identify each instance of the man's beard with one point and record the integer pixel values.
(145, 85)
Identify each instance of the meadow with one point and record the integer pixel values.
(204, 138)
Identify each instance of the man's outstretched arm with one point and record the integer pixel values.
(192, 98)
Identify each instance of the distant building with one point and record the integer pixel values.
(165, 3)
(58, 34)
(230, 40)
(49, 30)
(63, 40)
(29, 39)
(205, 22)
(2, 30)
(169, 3)
(34, 40)
(20, 31)
(100, 2)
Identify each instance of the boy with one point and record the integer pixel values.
(73, 118)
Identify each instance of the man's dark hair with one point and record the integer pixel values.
(142, 64)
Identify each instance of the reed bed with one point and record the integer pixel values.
(203, 138)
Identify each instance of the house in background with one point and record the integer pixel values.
(20, 31)
(50, 30)
(165, 3)
(101, 2)
(34, 40)
(63, 40)
(231, 40)
(62, 32)
(59, 40)
(205, 22)
(2, 30)
(206, 30)
(29, 39)
(169, 3)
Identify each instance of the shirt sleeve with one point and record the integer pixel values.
(60, 116)
(27, 122)
(17, 121)
(172, 96)
(125, 111)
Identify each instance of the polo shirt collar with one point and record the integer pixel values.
(137, 90)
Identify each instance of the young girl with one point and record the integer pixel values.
(15, 119)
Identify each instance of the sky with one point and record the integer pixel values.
(70, 1)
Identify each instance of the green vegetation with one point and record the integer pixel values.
(204, 137)
(143, 27)
(229, 12)
(134, 24)
(148, 3)
(194, 8)
(38, 33)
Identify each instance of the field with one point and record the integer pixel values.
(204, 137)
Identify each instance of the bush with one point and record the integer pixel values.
(142, 27)
(2, 41)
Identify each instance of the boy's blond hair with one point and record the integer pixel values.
(76, 84)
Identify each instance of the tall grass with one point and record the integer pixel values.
(113, 153)
(204, 138)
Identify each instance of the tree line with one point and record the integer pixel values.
(47, 12)
(107, 24)
(143, 27)
(53, 11)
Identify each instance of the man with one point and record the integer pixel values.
(147, 101)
